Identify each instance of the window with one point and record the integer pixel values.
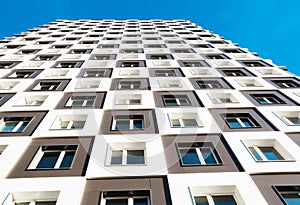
(81, 101)
(176, 100)
(155, 46)
(125, 99)
(240, 120)
(290, 194)
(24, 73)
(215, 200)
(109, 46)
(56, 73)
(61, 46)
(165, 73)
(131, 51)
(80, 51)
(68, 64)
(87, 84)
(27, 51)
(32, 100)
(209, 84)
(182, 51)
(129, 64)
(7, 65)
(233, 51)
(14, 124)
(44, 42)
(219, 98)
(46, 86)
(290, 118)
(200, 63)
(69, 122)
(46, 57)
(95, 73)
(129, 85)
(127, 122)
(255, 64)
(182, 120)
(33, 198)
(159, 57)
(139, 197)
(234, 73)
(103, 57)
(217, 56)
(286, 83)
(169, 84)
(129, 72)
(267, 99)
(54, 157)
(201, 46)
(249, 83)
(267, 153)
(127, 157)
(36, 203)
(197, 153)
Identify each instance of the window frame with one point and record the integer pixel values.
(61, 149)
(286, 186)
(129, 196)
(131, 121)
(242, 124)
(197, 147)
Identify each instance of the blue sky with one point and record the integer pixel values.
(268, 27)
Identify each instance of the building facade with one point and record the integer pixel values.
(144, 112)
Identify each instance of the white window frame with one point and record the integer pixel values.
(31, 100)
(260, 143)
(126, 99)
(8, 85)
(87, 84)
(181, 117)
(210, 200)
(285, 116)
(221, 98)
(129, 72)
(169, 83)
(70, 120)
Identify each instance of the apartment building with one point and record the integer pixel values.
(144, 112)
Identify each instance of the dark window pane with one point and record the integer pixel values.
(45, 203)
(68, 159)
(271, 153)
(189, 157)
(140, 201)
(224, 200)
(48, 160)
(135, 157)
(116, 202)
(201, 200)
(208, 156)
(138, 124)
(292, 198)
(122, 125)
(116, 157)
